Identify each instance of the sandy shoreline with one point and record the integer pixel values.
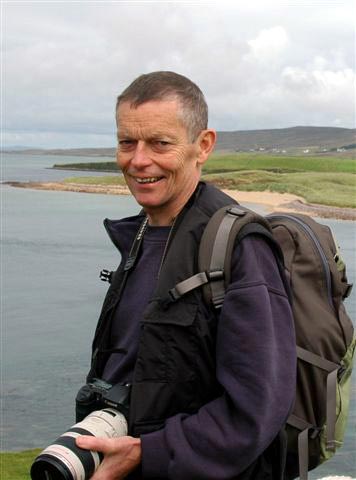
(271, 200)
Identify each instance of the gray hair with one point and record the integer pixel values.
(166, 86)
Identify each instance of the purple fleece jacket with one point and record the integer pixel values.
(255, 364)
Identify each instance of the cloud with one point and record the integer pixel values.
(269, 44)
(259, 65)
(326, 93)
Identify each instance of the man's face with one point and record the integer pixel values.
(160, 164)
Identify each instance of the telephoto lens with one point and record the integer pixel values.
(63, 460)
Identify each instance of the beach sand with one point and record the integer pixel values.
(286, 202)
(271, 200)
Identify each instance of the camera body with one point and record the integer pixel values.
(102, 411)
(98, 394)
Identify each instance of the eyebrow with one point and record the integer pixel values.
(154, 136)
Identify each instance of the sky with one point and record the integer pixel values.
(260, 63)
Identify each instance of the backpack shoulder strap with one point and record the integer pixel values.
(227, 227)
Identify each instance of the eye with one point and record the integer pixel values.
(160, 145)
(126, 144)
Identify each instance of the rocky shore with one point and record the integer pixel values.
(271, 200)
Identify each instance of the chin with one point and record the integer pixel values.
(146, 202)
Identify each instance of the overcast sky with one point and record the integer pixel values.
(260, 63)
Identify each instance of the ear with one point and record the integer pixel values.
(206, 143)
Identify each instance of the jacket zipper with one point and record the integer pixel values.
(319, 248)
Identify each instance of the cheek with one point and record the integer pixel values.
(121, 161)
(177, 164)
(185, 167)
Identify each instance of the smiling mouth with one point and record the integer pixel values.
(147, 180)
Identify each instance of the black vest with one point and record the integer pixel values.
(175, 367)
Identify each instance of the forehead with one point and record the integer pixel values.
(154, 116)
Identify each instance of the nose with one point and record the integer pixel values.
(140, 158)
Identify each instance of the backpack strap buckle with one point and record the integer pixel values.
(193, 282)
(237, 211)
(187, 285)
(215, 275)
(217, 287)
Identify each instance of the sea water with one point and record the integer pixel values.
(22, 167)
(53, 247)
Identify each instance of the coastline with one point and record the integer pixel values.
(273, 201)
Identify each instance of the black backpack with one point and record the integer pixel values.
(317, 286)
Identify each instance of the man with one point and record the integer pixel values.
(210, 392)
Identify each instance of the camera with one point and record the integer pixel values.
(101, 411)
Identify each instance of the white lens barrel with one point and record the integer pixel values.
(63, 460)
(107, 423)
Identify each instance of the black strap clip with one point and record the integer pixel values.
(215, 275)
(106, 275)
(348, 290)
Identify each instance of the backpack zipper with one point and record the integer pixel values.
(316, 242)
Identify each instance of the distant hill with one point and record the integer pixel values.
(303, 138)
(294, 140)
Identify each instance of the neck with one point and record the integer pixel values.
(160, 220)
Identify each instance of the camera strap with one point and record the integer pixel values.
(129, 265)
(135, 247)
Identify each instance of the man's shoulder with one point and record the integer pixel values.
(210, 198)
(254, 260)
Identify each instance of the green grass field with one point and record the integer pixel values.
(97, 166)
(109, 180)
(249, 161)
(322, 180)
(16, 465)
